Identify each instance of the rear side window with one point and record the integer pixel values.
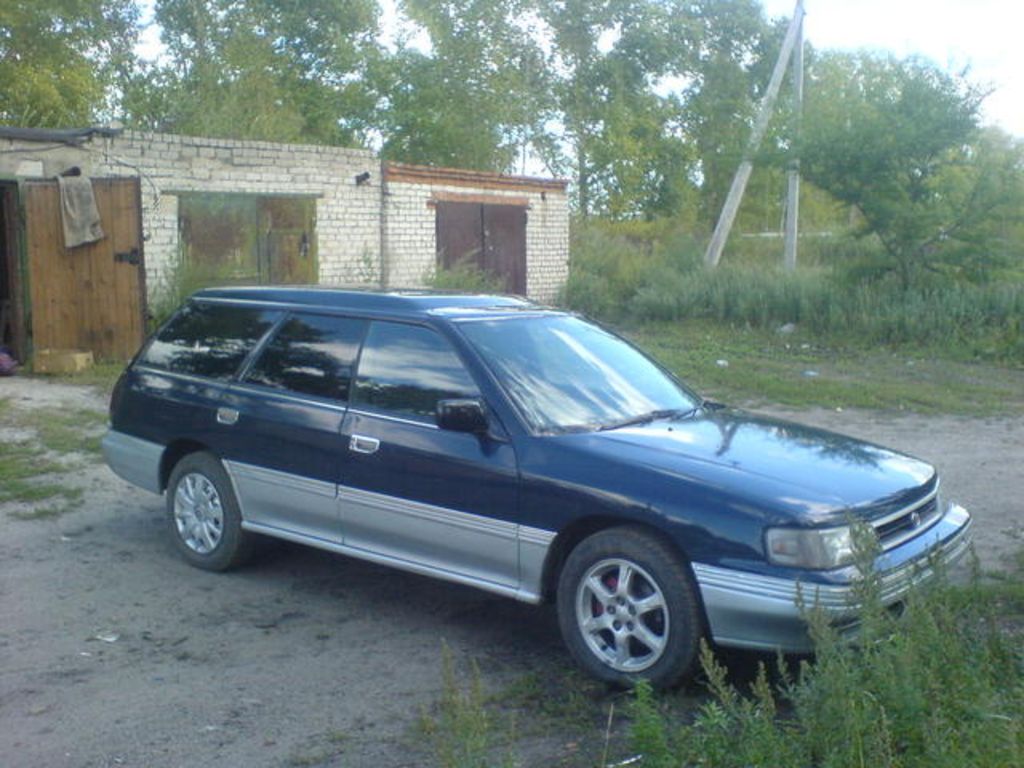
(311, 355)
(406, 369)
(208, 339)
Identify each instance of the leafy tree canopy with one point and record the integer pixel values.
(475, 99)
(288, 70)
(59, 59)
(899, 141)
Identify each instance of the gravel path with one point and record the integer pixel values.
(114, 652)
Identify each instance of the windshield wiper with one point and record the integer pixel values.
(647, 418)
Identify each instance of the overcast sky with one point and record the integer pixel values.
(983, 35)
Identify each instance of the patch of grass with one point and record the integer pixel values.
(465, 277)
(69, 430)
(23, 460)
(792, 369)
(25, 492)
(566, 703)
(102, 375)
(29, 472)
(617, 278)
(943, 685)
(465, 731)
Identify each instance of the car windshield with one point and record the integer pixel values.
(564, 374)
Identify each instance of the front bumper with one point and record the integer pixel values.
(747, 610)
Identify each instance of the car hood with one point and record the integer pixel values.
(797, 470)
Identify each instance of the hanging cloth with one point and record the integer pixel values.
(78, 212)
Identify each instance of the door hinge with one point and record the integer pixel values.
(128, 257)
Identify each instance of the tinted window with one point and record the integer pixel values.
(312, 355)
(208, 339)
(407, 369)
(565, 373)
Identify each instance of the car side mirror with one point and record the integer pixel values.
(461, 415)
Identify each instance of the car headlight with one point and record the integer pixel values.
(816, 548)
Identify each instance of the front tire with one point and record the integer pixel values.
(628, 609)
(203, 516)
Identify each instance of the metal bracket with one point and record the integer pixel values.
(132, 257)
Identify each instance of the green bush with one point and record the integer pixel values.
(615, 279)
(465, 277)
(181, 281)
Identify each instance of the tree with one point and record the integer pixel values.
(898, 140)
(476, 98)
(613, 133)
(285, 70)
(726, 65)
(59, 57)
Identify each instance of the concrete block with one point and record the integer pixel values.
(61, 360)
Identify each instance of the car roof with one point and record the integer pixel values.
(401, 302)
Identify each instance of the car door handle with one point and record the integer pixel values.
(360, 444)
(228, 416)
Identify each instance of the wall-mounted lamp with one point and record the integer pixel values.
(362, 178)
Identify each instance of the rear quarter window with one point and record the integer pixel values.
(208, 340)
(310, 355)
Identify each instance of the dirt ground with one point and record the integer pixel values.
(114, 652)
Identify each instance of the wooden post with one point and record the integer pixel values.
(739, 181)
(793, 177)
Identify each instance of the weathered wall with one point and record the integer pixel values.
(410, 241)
(352, 223)
(348, 215)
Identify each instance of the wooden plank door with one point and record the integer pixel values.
(91, 297)
(289, 241)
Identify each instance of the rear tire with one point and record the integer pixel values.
(203, 516)
(628, 609)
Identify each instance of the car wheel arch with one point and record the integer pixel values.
(570, 536)
(175, 451)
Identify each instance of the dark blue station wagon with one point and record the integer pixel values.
(522, 450)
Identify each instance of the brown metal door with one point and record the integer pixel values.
(489, 237)
(91, 297)
(460, 235)
(505, 245)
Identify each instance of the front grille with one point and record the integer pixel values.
(898, 527)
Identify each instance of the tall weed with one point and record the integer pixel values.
(616, 280)
(941, 685)
(463, 731)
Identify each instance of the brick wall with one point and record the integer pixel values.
(351, 222)
(410, 240)
(347, 214)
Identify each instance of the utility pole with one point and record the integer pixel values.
(793, 176)
(764, 114)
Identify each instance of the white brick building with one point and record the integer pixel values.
(374, 222)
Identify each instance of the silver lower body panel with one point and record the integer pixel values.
(522, 593)
(746, 610)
